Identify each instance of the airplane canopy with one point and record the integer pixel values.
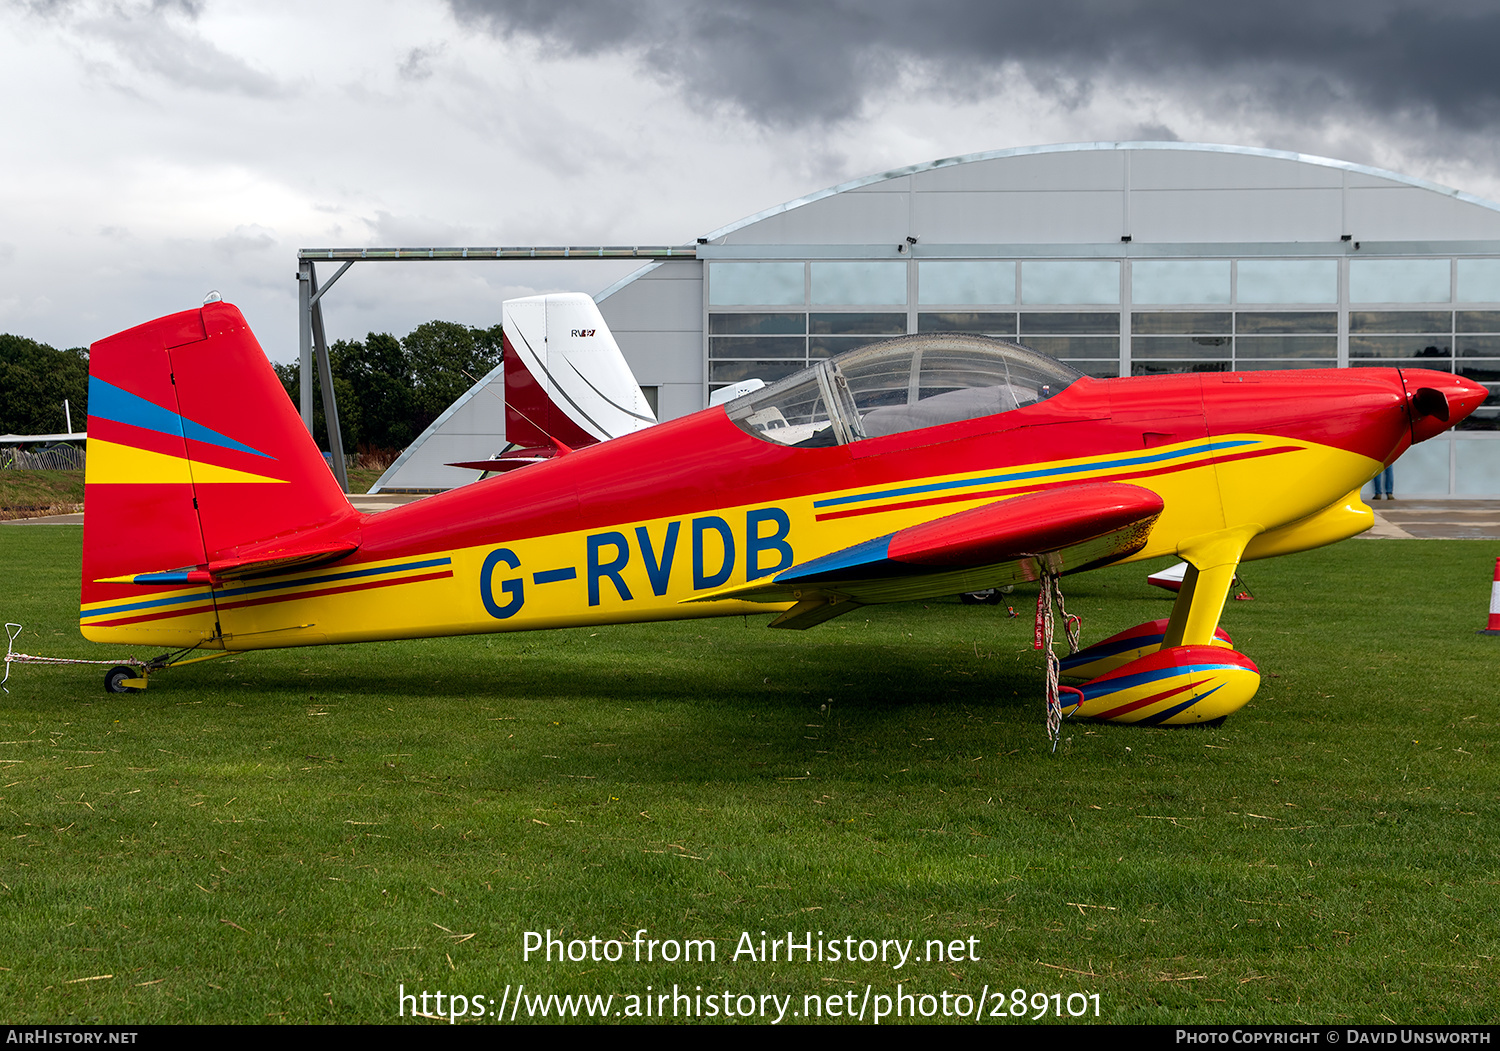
(899, 385)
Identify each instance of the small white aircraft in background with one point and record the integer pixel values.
(566, 383)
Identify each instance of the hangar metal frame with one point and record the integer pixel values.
(313, 343)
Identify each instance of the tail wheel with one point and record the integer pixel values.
(114, 679)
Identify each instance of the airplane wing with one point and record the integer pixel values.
(1060, 530)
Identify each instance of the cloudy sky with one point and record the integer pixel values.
(156, 150)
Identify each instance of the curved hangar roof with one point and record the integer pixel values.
(1159, 192)
(1115, 257)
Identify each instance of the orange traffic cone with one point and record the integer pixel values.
(1494, 625)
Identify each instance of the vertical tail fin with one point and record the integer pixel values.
(198, 469)
(565, 378)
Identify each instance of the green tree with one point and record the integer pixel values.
(390, 390)
(380, 378)
(446, 359)
(350, 411)
(34, 380)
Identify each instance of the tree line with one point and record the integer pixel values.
(34, 381)
(389, 390)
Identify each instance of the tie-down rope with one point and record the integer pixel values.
(1049, 594)
(12, 657)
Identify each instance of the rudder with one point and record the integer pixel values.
(198, 469)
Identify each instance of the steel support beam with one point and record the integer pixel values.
(313, 344)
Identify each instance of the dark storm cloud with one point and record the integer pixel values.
(817, 60)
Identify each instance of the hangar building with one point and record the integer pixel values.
(1120, 259)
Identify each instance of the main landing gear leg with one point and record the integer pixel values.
(1212, 560)
(1189, 680)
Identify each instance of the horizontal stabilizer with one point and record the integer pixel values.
(218, 571)
(511, 459)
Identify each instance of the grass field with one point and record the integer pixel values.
(297, 835)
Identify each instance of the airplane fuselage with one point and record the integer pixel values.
(635, 528)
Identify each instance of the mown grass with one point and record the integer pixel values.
(293, 835)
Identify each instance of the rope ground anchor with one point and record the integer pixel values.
(143, 668)
(12, 657)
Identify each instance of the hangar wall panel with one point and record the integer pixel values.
(1077, 170)
(844, 218)
(1232, 216)
(1024, 217)
(1186, 170)
(1407, 213)
(661, 357)
(657, 320)
(670, 298)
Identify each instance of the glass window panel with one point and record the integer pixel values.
(757, 324)
(757, 347)
(1479, 280)
(1101, 370)
(1070, 324)
(1400, 347)
(863, 324)
(755, 284)
(1487, 416)
(1265, 322)
(1070, 282)
(1399, 281)
(1479, 346)
(859, 283)
(981, 282)
(1162, 368)
(734, 371)
(989, 324)
(1286, 347)
(1436, 364)
(1400, 320)
(1486, 372)
(1254, 365)
(828, 346)
(1181, 321)
(1179, 281)
(1180, 347)
(1478, 320)
(1076, 346)
(1288, 281)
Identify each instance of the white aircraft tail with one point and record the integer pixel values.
(563, 381)
(565, 378)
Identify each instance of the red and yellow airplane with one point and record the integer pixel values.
(916, 468)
